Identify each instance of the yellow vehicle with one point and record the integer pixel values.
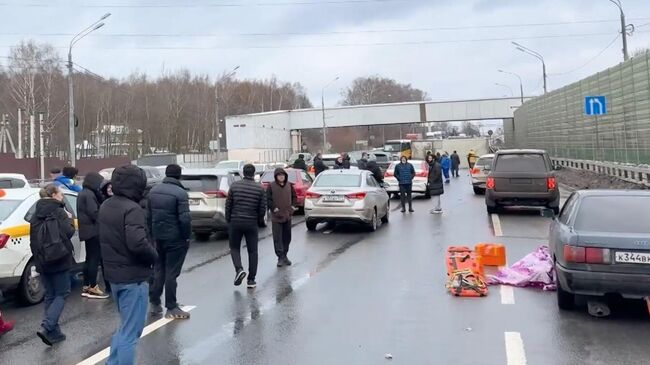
(398, 148)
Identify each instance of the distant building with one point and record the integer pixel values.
(113, 140)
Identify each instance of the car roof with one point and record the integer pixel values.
(332, 155)
(18, 194)
(489, 155)
(209, 172)
(519, 151)
(612, 192)
(13, 176)
(342, 172)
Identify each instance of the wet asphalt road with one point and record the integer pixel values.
(350, 298)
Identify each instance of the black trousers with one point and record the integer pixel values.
(281, 237)
(454, 171)
(93, 260)
(405, 195)
(171, 257)
(236, 233)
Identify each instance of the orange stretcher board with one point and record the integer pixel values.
(465, 276)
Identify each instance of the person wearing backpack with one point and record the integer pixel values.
(51, 229)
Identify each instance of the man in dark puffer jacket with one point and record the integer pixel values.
(171, 227)
(128, 256)
(245, 211)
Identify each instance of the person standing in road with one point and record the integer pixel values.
(51, 229)
(281, 198)
(171, 228)
(436, 187)
(445, 162)
(66, 179)
(319, 165)
(362, 164)
(54, 173)
(88, 203)
(404, 173)
(471, 158)
(128, 256)
(455, 164)
(245, 212)
(300, 163)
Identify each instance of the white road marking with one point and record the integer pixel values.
(515, 352)
(496, 224)
(103, 354)
(507, 294)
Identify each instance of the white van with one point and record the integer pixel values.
(17, 269)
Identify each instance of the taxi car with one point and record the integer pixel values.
(17, 269)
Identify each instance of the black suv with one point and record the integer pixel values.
(522, 177)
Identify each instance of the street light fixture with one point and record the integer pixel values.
(624, 28)
(322, 100)
(536, 55)
(93, 27)
(505, 86)
(216, 109)
(521, 84)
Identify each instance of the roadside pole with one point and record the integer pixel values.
(41, 146)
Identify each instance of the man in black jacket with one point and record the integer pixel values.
(245, 211)
(362, 164)
(300, 163)
(88, 203)
(281, 199)
(171, 227)
(319, 165)
(128, 256)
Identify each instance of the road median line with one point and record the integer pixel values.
(515, 353)
(496, 225)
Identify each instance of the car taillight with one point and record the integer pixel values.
(489, 183)
(474, 171)
(356, 196)
(550, 183)
(312, 195)
(4, 238)
(388, 173)
(422, 174)
(216, 194)
(589, 255)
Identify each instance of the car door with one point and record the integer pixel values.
(70, 201)
(376, 193)
(560, 231)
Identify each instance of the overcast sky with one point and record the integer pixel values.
(452, 50)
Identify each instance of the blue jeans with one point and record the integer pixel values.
(57, 288)
(131, 302)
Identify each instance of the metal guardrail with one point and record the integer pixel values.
(632, 174)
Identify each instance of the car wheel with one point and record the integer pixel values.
(31, 289)
(565, 300)
(478, 191)
(385, 218)
(492, 210)
(372, 226)
(202, 237)
(311, 225)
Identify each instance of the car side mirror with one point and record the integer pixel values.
(548, 213)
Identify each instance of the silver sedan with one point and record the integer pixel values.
(348, 196)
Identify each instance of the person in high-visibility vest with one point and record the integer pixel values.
(471, 158)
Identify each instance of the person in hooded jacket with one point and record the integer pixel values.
(281, 198)
(88, 203)
(51, 229)
(300, 163)
(376, 171)
(66, 179)
(436, 187)
(445, 163)
(106, 189)
(171, 227)
(319, 165)
(128, 256)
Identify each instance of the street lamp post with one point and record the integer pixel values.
(216, 110)
(536, 55)
(505, 86)
(93, 27)
(322, 100)
(623, 28)
(521, 84)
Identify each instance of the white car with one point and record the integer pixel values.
(17, 269)
(13, 181)
(420, 182)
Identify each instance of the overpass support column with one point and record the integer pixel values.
(296, 141)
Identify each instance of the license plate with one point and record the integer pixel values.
(521, 181)
(194, 202)
(333, 198)
(633, 258)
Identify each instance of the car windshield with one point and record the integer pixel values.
(260, 168)
(381, 158)
(338, 181)
(228, 165)
(269, 176)
(616, 214)
(152, 173)
(200, 183)
(393, 147)
(484, 161)
(530, 162)
(7, 207)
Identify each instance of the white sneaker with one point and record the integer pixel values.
(437, 211)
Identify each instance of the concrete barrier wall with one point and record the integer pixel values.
(556, 121)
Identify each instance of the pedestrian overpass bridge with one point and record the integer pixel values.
(278, 132)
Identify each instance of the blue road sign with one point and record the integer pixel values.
(595, 105)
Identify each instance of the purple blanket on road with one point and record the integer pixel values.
(535, 269)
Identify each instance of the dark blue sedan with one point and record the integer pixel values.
(601, 245)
